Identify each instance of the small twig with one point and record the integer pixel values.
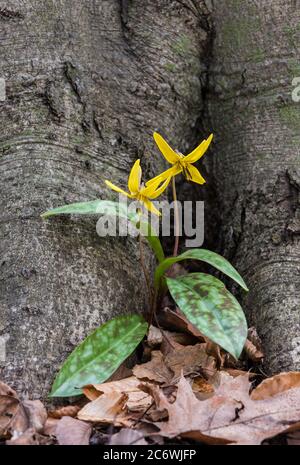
(142, 415)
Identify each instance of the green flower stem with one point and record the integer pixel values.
(142, 260)
(176, 219)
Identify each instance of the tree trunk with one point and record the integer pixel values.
(256, 162)
(87, 83)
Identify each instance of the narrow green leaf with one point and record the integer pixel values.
(108, 207)
(204, 255)
(99, 355)
(84, 208)
(210, 307)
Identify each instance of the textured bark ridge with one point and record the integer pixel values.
(87, 83)
(256, 162)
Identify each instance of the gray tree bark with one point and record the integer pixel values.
(256, 162)
(87, 83)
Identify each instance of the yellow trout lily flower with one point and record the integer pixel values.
(138, 191)
(181, 164)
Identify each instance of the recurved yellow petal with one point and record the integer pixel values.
(192, 174)
(134, 179)
(116, 188)
(149, 205)
(153, 191)
(170, 155)
(165, 174)
(199, 151)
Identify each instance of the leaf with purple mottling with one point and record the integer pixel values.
(212, 309)
(99, 355)
(206, 256)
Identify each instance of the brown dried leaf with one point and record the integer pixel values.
(167, 369)
(67, 411)
(136, 399)
(28, 438)
(36, 414)
(127, 436)
(255, 339)
(155, 413)
(214, 350)
(155, 370)
(177, 340)
(202, 388)
(71, 432)
(17, 417)
(50, 426)
(278, 383)
(176, 321)
(189, 360)
(252, 352)
(91, 392)
(9, 408)
(198, 436)
(230, 414)
(107, 409)
(234, 373)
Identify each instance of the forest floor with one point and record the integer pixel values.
(184, 390)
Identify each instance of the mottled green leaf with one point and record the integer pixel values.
(204, 255)
(210, 307)
(108, 207)
(83, 208)
(99, 355)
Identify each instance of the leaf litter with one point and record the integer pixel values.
(185, 388)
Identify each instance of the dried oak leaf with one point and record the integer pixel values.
(50, 426)
(16, 416)
(167, 369)
(176, 321)
(106, 409)
(278, 383)
(67, 411)
(136, 400)
(21, 421)
(234, 372)
(190, 359)
(127, 437)
(70, 431)
(36, 414)
(155, 370)
(230, 415)
(9, 411)
(182, 339)
(30, 438)
(202, 388)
